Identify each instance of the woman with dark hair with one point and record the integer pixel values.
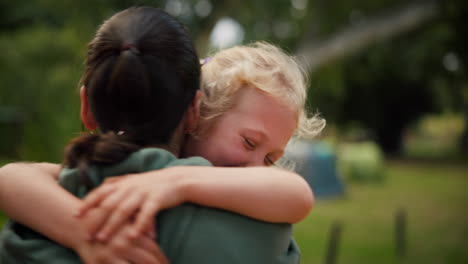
(139, 91)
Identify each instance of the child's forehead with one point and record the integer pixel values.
(258, 107)
(250, 97)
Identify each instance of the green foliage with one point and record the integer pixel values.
(435, 137)
(392, 84)
(41, 80)
(327, 91)
(45, 43)
(361, 162)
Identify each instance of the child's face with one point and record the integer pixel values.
(253, 133)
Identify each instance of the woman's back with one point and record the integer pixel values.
(187, 234)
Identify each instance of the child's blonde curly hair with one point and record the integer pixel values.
(265, 67)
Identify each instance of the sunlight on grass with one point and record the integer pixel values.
(432, 196)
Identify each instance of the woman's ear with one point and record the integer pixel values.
(193, 113)
(85, 113)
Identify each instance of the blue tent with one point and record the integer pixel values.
(316, 162)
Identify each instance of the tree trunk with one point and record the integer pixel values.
(464, 138)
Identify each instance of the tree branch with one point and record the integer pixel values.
(355, 38)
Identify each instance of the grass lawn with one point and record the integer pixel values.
(434, 197)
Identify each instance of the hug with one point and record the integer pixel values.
(181, 165)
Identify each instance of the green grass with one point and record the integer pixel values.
(434, 198)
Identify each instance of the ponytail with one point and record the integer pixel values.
(99, 149)
(142, 73)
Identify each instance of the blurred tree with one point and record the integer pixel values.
(384, 86)
(456, 15)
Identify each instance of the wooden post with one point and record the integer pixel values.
(400, 233)
(333, 244)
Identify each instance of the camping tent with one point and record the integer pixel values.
(316, 162)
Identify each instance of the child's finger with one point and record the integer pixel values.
(109, 204)
(121, 214)
(117, 261)
(94, 198)
(94, 220)
(140, 255)
(145, 217)
(113, 260)
(151, 247)
(151, 231)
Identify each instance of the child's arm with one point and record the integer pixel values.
(30, 194)
(264, 193)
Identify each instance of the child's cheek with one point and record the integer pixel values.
(237, 156)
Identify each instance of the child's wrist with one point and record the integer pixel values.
(81, 239)
(76, 234)
(183, 183)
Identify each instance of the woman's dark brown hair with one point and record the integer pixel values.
(142, 72)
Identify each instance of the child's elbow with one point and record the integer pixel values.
(305, 203)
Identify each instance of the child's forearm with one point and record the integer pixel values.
(30, 194)
(267, 194)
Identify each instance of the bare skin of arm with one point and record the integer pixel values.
(22, 183)
(265, 193)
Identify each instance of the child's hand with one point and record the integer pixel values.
(135, 197)
(121, 248)
(96, 217)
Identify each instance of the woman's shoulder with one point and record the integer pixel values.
(188, 232)
(192, 161)
(157, 158)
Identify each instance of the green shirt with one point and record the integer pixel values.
(187, 234)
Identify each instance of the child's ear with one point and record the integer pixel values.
(193, 113)
(85, 113)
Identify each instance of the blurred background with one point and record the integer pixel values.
(390, 171)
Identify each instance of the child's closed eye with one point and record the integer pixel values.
(268, 161)
(249, 144)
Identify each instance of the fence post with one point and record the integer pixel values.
(400, 233)
(333, 244)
